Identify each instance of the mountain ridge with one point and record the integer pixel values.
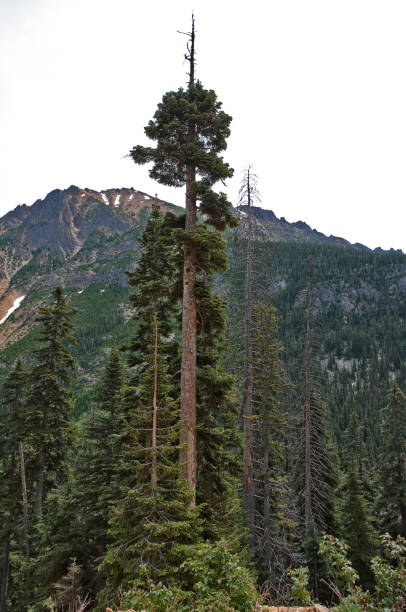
(82, 237)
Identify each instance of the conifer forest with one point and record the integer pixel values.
(225, 429)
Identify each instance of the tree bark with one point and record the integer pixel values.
(188, 360)
(25, 499)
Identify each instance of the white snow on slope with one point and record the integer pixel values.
(131, 197)
(83, 195)
(81, 291)
(14, 307)
(117, 202)
(105, 198)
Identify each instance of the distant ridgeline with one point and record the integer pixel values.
(86, 240)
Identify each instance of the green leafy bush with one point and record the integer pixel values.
(213, 580)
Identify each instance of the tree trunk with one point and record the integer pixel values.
(25, 500)
(247, 390)
(39, 489)
(154, 480)
(188, 360)
(308, 494)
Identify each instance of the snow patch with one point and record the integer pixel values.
(131, 197)
(147, 198)
(14, 307)
(83, 195)
(81, 291)
(105, 198)
(102, 290)
(117, 201)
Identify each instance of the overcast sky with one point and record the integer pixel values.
(316, 88)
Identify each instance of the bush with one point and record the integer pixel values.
(212, 580)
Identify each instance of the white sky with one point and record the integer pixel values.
(317, 90)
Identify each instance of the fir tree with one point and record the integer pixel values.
(191, 130)
(356, 527)
(152, 518)
(393, 464)
(274, 524)
(14, 526)
(77, 527)
(49, 397)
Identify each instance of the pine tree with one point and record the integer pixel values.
(273, 521)
(316, 476)
(191, 130)
(152, 518)
(356, 527)
(49, 397)
(13, 505)
(393, 464)
(78, 518)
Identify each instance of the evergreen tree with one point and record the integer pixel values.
(191, 130)
(356, 527)
(152, 518)
(393, 464)
(219, 442)
(49, 397)
(77, 526)
(274, 525)
(13, 504)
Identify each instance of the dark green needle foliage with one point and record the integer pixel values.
(153, 282)
(50, 395)
(152, 519)
(219, 442)
(13, 431)
(78, 524)
(190, 129)
(274, 511)
(356, 527)
(393, 464)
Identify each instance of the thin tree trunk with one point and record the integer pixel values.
(25, 500)
(39, 489)
(308, 495)
(247, 390)
(188, 360)
(154, 480)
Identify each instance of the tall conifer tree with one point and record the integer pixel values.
(152, 519)
(393, 464)
(49, 397)
(191, 130)
(13, 504)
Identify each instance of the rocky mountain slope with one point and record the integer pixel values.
(67, 238)
(82, 237)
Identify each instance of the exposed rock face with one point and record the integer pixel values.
(56, 241)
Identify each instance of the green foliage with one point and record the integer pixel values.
(390, 573)
(393, 464)
(214, 580)
(299, 593)
(356, 527)
(49, 398)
